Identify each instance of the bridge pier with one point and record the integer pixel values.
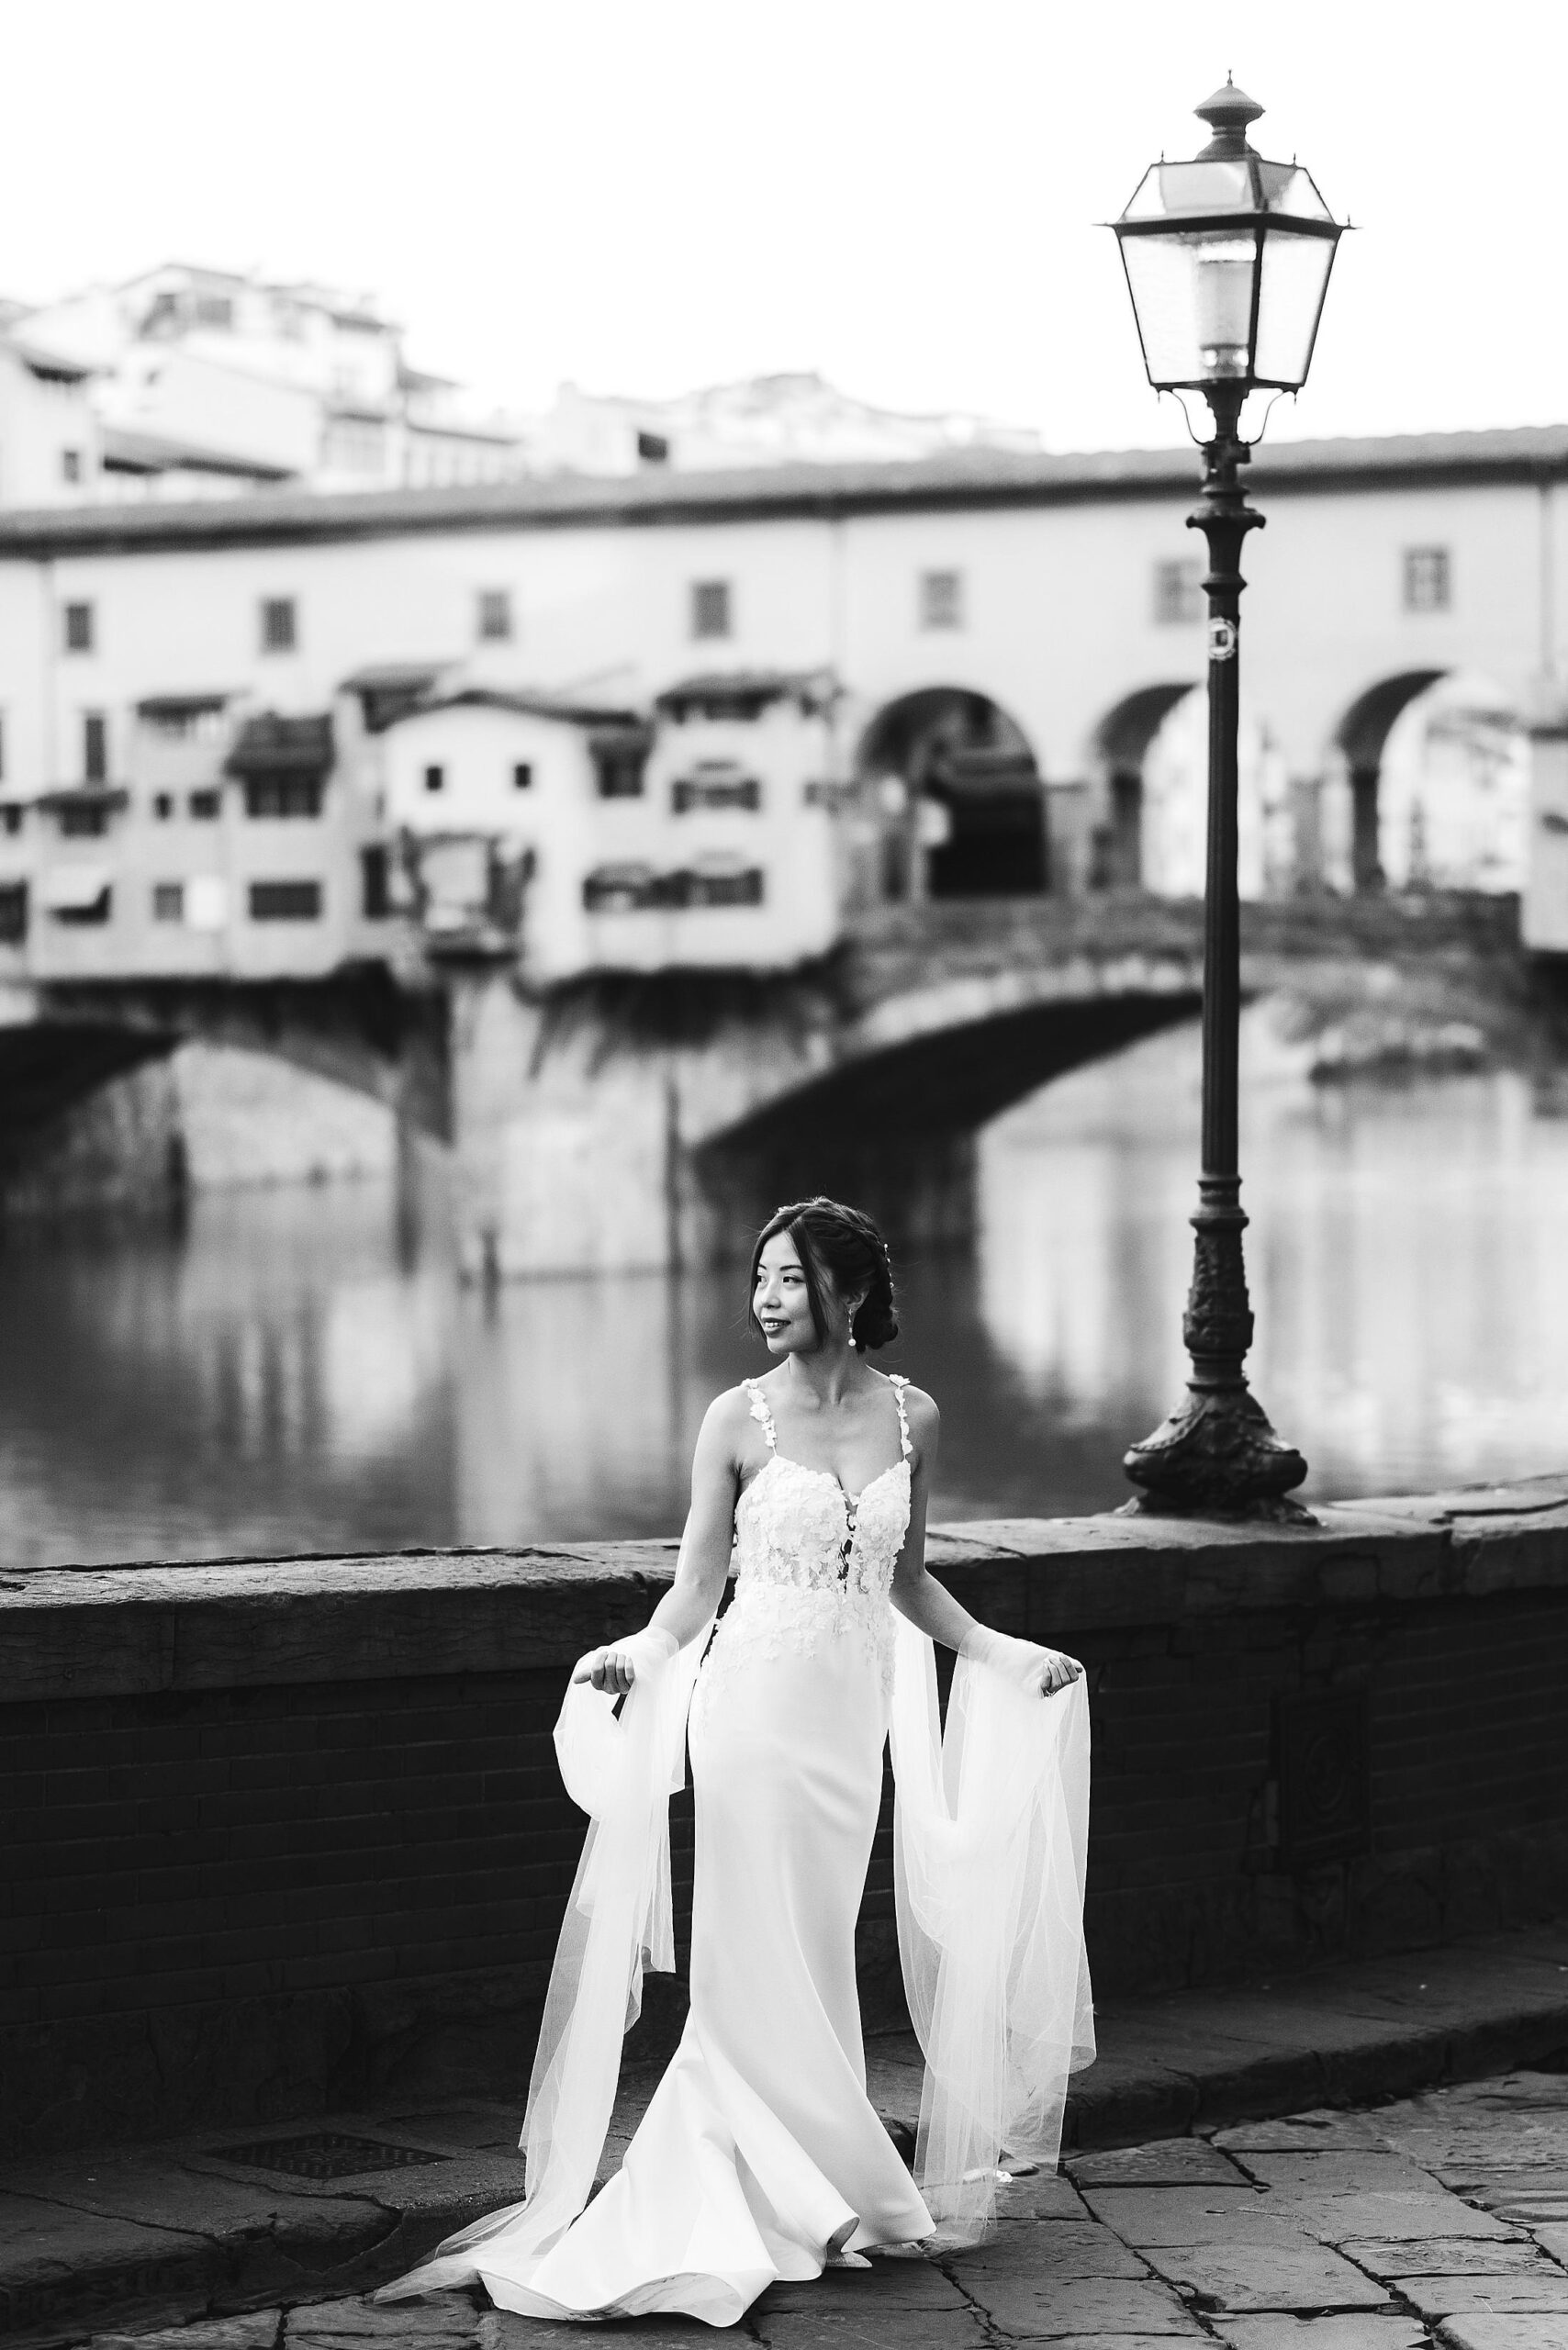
(584, 1146)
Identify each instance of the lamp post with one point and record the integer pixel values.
(1228, 260)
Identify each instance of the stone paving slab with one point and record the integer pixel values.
(443, 2322)
(1372, 2170)
(1172, 2162)
(1440, 2297)
(1445, 2256)
(1158, 2215)
(1061, 2253)
(1045, 2309)
(1041, 2195)
(887, 2285)
(64, 2269)
(1325, 2130)
(1503, 2331)
(1243, 2274)
(260, 2330)
(1359, 2330)
(1334, 2219)
(820, 2330)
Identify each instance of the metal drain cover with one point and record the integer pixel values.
(324, 2153)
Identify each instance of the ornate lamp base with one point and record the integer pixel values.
(1216, 1456)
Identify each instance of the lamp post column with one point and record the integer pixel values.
(1217, 1450)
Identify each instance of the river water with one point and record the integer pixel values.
(299, 1369)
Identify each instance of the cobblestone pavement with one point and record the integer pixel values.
(1442, 2221)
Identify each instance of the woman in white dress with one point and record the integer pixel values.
(759, 2156)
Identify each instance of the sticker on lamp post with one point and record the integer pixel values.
(1223, 638)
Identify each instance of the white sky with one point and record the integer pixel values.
(648, 194)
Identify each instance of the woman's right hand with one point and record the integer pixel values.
(615, 1667)
(610, 1669)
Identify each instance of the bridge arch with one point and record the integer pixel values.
(1359, 738)
(357, 1029)
(1433, 778)
(960, 796)
(1119, 746)
(1150, 751)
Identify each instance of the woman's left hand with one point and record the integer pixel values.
(1055, 1671)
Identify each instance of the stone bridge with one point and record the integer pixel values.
(60, 1040)
(631, 1121)
(650, 1122)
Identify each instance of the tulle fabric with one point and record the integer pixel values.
(990, 1825)
(621, 1771)
(991, 1830)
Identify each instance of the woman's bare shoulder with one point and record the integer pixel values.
(728, 1413)
(925, 1419)
(722, 1441)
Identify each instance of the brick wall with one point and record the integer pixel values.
(248, 1869)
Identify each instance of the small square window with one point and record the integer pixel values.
(1428, 583)
(11, 821)
(71, 464)
(79, 628)
(1177, 592)
(13, 912)
(522, 776)
(435, 778)
(494, 616)
(83, 820)
(162, 806)
(618, 768)
(941, 599)
(168, 901)
(205, 806)
(279, 629)
(711, 607)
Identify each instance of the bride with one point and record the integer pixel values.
(759, 2157)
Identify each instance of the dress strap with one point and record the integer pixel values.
(898, 1382)
(759, 1411)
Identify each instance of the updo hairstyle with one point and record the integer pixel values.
(846, 1247)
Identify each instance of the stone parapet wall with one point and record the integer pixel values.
(276, 1835)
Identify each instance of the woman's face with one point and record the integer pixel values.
(780, 1301)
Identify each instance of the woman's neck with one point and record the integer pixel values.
(826, 1375)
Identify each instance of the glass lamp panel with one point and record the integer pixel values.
(1146, 204)
(1194, 298)
(1296, 278)
(1160, 279)
(1287, 188)
(1195, 188)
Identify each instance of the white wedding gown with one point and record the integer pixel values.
(759, 2156)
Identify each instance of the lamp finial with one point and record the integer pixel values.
(1227, 113)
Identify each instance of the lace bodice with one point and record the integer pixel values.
(813, 1562)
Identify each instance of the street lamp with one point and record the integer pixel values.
(1228, 260)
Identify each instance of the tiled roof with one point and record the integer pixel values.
(273, 745)
(972, 478)
(816, 687)
(532, 705)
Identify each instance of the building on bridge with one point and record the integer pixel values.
(588, 838)
(218, 722)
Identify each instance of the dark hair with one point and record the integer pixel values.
(846, 1246)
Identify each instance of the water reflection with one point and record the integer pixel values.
(298, 1371)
